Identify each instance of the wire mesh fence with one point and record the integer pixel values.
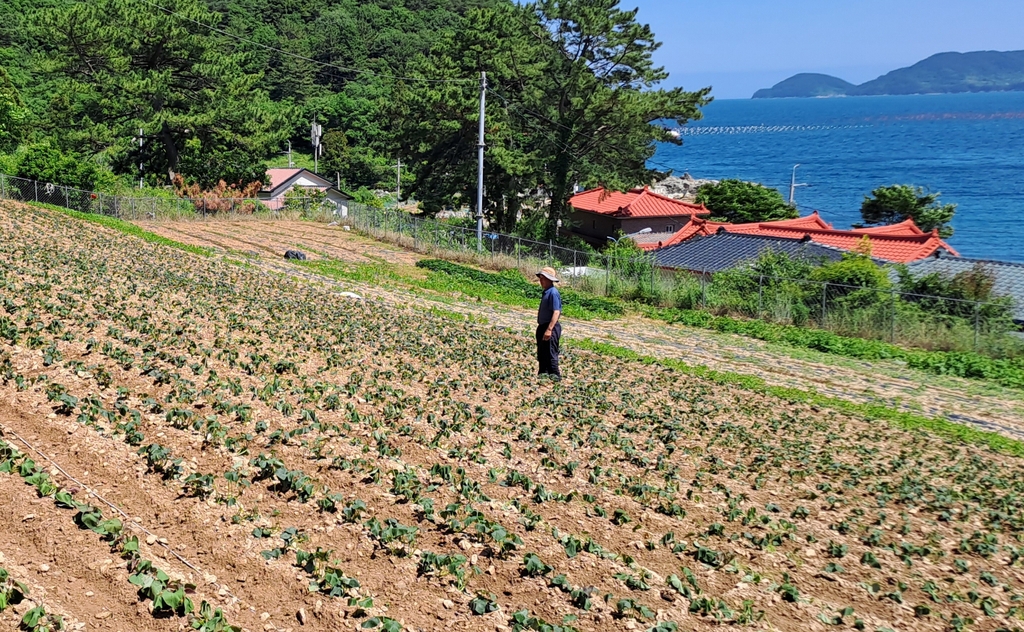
(886, 314)
(875, 313)
(168, 207)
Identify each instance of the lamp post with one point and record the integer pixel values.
(642, 231)
(793, 186)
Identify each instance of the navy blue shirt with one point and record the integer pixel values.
(550, 303)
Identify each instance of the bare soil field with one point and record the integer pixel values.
(181, 428)
(885, 382)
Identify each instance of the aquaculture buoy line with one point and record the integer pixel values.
(703, 130)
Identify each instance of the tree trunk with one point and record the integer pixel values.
(171, 150)
(557, 210)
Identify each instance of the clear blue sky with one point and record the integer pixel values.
(738, 46)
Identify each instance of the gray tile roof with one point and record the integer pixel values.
(1009, 277)
(723, 251)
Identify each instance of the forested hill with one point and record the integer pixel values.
(220, 87)
(982, 71)
(806, 85)
(60, 55)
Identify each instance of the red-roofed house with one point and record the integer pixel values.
(281, 181)
(898, 243)
(599, 213)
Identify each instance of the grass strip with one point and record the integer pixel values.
(509, 287)
(946, 429)
(965, 364)
(127, 228)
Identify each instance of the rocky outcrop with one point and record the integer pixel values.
(684, 188)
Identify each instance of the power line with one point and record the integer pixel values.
(557, 124)
(296, 55)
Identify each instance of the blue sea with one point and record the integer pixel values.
(969, 147)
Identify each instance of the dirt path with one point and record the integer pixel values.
(877, 382)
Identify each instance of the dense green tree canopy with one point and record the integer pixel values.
(12, 113)
(219, 87)
(900, 202)
(572, 100)
(126, 66)
(741, 202)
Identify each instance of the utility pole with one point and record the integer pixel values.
(316, 132)
(141, 179)
(290, 163)
(793, 186)
(399, 167)
(480, 167)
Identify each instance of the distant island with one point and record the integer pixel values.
(982, 71)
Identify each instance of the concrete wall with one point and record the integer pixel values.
(599, 227)
(656, 224)
(593, 225)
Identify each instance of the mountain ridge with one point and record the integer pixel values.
(942, 73)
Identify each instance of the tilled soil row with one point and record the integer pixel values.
(423, 603)
(873, 382)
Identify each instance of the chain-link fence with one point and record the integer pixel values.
(167, 207)
(886, 314)
(883, 314)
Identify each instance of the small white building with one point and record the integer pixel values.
(281, 181)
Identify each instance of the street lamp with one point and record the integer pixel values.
(642, 231)
(793, 186)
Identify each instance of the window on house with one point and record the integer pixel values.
(671, 228)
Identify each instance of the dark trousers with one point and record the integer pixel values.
(547, 350)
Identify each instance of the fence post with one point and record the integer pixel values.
(607, 274)
(977, 323)
(704, 288)
(892, 320)
(3, 186)
(67, 198)
(824, 297)
(760, 295)
(551, 257)
(35, 185)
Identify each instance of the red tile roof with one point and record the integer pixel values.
(899, 243)
(639, 202)
(696, 227)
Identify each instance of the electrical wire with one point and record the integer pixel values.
(562, 146)
(296, 55)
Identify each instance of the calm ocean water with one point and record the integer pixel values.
(969, 147)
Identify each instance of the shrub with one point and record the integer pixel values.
(47, 163)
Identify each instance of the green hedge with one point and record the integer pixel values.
(1009, 373)
(960, 364)
(513, 281)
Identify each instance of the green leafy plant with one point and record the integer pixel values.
(38, 620)
(11, 592)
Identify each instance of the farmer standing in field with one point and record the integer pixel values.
(549, 330)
